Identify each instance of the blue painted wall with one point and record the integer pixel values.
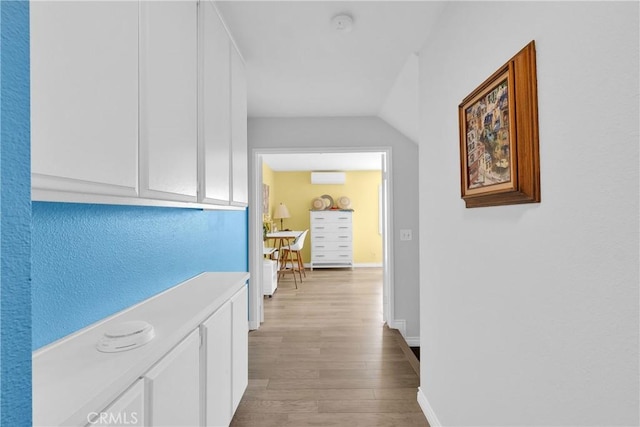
(90, 261)
(15, 206)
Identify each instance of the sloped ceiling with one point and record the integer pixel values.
(298, 65)
(402, 107)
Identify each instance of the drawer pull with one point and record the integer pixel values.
(341, 246)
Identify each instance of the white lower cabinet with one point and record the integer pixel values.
(239, 346)
(193, 373)
(173, 386)
(128, 409)
(216, 331)
(226, 359)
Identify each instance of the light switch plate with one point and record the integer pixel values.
(405, 234)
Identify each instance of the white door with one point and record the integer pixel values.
(84, 97)
(173, 386)
(169, 99)
(217, 353)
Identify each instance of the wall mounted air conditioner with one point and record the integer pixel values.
(328, 177)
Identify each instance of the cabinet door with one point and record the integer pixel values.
(173, 386)
(128, 409)
(84, 97)
(215, 109)
(217, 337)
(240, 345)
(239, 167)
(168, 99)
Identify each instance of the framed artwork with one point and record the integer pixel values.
(499, 157)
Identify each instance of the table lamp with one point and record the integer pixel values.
(281, 213)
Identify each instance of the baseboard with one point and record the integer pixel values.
(413, 341)
(367, 265)
(400, 325)
(427, 409)
(411, 357)
(358, 265)
(254, 325)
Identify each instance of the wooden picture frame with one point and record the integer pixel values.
(499, 156)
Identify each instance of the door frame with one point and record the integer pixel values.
(256, 312)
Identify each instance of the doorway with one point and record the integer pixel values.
(256, 312)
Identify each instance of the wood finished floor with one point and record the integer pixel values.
(324, 358)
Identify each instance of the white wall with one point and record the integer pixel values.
(401, 108)
(296, 133)
(529, 314)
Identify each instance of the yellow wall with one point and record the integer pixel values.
(295, 190)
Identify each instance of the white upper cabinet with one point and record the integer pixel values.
(239, 167)
(137, 103)
(215, 114)
(84, 97)
(168, 99)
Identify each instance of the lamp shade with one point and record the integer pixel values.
(281, 212)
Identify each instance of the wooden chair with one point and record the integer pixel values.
(292, 256)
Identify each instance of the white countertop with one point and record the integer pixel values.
(72, 378)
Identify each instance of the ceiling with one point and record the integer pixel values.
(323, 161)
(298, 65)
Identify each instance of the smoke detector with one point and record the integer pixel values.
(342, 23)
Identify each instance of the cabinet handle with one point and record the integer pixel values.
(343, 246)
(343, 237)
(319, 246)
(343, 228)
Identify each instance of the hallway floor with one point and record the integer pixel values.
(323, 357)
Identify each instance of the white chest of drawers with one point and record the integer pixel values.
(331, 239)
